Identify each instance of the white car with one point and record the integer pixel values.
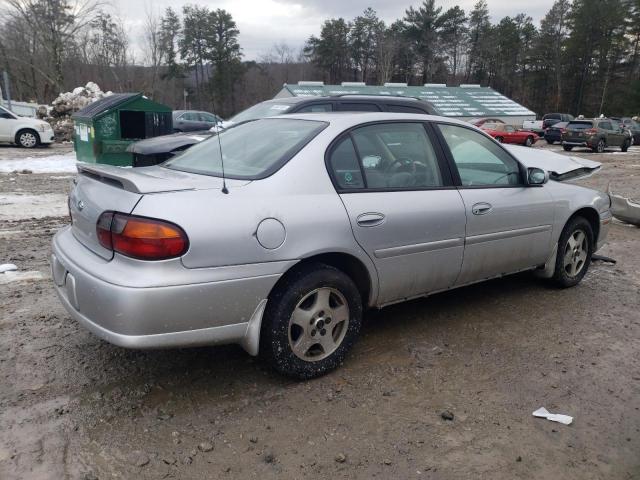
(24, 131)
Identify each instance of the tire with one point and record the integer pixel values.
(550, 142)
(567, 148)
(599, 148)
(575, 248)
(625, 145)
(27, 138)
(500, 139)
(299, 311)
(528, 142)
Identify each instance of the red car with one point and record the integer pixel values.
(509, 134)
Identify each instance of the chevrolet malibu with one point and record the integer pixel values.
(278, 233)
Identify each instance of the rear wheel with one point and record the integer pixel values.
(311, 322)
(567, 148)
(27, 138)
(528, 142)
(575, 248)
(550, 142)
(625, 145)
(500, 139)
(599, 148)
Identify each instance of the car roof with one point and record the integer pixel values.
(349, 96)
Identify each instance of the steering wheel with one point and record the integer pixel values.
(503, 176)
(404, 164)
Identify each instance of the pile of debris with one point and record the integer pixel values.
(61, 109)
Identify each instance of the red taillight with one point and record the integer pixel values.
(140, 237)
(563, 130)
(591, 131)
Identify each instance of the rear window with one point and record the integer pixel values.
(551, 116)
(579, 125)
(251, 151)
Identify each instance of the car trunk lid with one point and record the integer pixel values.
(101, 188)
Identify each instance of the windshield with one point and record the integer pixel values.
(261, 110)
(251, 151)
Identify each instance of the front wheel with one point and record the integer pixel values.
(311, 322)
(575, 248)
(567, 148)
(550, 142)
(500, 139)
(27, 139)
(528, 142)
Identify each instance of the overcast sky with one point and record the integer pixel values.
(265, 22)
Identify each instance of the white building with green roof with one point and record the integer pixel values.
(465, 102)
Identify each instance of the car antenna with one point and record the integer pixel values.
(225, 190)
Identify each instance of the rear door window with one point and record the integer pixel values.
(397, 156)
(605, 126)
(345, 166)
(579, 125)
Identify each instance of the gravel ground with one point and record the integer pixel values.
(72, 406)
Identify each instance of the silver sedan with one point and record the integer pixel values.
(279, 232)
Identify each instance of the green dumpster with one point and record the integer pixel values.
(104, 129)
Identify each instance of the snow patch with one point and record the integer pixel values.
(28, 276)
(53, 164)
(14, 206)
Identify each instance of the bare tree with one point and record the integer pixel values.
(54, 23)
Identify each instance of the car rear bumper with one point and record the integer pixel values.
(223, 308)
(576, 143)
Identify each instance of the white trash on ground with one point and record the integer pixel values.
(53, 164)
(8, 267)
(554, 417)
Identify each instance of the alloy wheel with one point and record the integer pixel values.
(318, 324)
(600, 146)
(575, 253)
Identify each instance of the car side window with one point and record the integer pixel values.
(479, 160)
(397, 156)
(359, 107)
(207, 117)
(509, 128)
(404, 109)
(316, 108)
(606, 126)
(345, 165)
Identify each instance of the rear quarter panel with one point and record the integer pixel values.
(223, 228)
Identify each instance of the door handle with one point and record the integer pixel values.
(481, 208)
(370, 219)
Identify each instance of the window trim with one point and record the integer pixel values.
(445, 170)
(454, 168)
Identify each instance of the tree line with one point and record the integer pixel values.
(583, 58)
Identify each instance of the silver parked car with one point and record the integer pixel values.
(320, 217)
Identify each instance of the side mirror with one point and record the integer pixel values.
(537, 176)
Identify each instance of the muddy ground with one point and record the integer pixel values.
(73, 406)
